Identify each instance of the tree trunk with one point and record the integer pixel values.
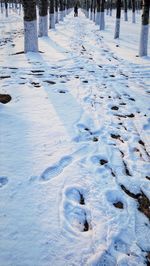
(87, 8)
(56, 11)
(110, 7)
(91, 10)
(51, 14)
(125, 10)
(1, 7)
(133, 11)
(107, 7)
(43, 18)
(118, 16)
(144, 29)
(30, 26)
(61, 10)
(102, 18)
(98, 13)
(6, 8)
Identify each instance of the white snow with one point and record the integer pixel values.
(76, 129)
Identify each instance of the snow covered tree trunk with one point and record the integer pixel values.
(61, 11)
(110, 7)
(87, 8)
(94, 10)
(20, 8)
(107, 9)
(43, 18)
(2, 7)
(51, 15)
(68, 6)
(91, 10)
(6, 8)
(133, 11)
(98, 13)
(125, 11)
(144, 29)
(30, 26)
(56, 11)
(118, 17)
(102, 18)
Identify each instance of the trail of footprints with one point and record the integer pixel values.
(76, 214)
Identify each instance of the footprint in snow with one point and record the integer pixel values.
(3, 181)
(56, 169)
(76, 214)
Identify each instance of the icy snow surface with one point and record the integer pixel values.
(74, 134)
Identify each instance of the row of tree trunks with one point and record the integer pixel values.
(143, 47)
(30, 20)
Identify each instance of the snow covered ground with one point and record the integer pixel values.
(74, 141)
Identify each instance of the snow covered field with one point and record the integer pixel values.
(75, 147)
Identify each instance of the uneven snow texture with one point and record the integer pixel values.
(74, 146)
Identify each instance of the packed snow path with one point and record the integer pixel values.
(74, 151)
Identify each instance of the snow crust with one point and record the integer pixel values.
(72, 134)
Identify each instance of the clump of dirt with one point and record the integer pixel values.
(95, 139)
(103, 161)
(50, 82)
(114, 136)
(118, 205)
(131, 115)
(143, 201)
(61, 91)
(5, 77)
(5, 98)
(144, 205)
(147, 177)
(115, 108)
(126, 169)
(82, 201)
(132, 99)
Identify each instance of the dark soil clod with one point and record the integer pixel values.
(115, 108)
(115, 136)
(131, 115)
(5, 77)
(82, 202)
(126, 169)
(95, 139)
(143, 201)
(61, 91)
(122, 103)
(86, 226)
(50, 82)
(103, 161)
(5, 98)
(118, 205)
(37, 71)
(141, 142)
(132, 99)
